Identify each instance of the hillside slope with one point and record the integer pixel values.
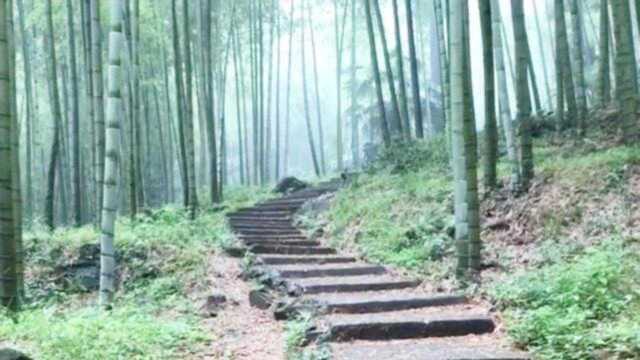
(560, 262)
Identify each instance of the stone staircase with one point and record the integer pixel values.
(364, 311)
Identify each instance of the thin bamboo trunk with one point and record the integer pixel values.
(395, 105)
(307, 117)
(384, 125)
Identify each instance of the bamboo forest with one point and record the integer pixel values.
(320, 179)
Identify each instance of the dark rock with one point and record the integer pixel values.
(235, 251)
(213, 305)
(83, 273)
(10, 354)
(289, 185)
(261, 299)
(216, 300)
(89, 252)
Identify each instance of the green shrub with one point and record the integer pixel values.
(574, 309)
(160, 254)
(127, 332)
(413, 155)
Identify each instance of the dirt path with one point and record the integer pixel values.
(239, 330)
(363, 311)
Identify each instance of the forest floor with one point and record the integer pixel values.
(169, 267)
(560, 263)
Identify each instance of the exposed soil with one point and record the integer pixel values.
(239, 331)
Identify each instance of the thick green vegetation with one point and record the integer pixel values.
(399, 212)
(575, 296)
(163, 257)
(580, 307)
(295, 340)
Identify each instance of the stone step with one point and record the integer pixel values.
(409, 324)
(252, 212)
(348, 284)
(379, 301)
(265, 228)
(292, 250)
(292, 207)
(286, 224)
(290, 260)
(460, 348)
(288, 201)
(258, 219)
(291, 232)
(328, 270)
(271, 237)
(277, 242)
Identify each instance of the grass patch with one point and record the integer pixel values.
(130, 331)
(295, 340)
(580, 308)
(162, 259)
(399, 212)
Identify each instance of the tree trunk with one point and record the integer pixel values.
(542, 55)
(339, 39)
(355, 123)
(210, 122)
(397, 121)
(9, 294)
(444, 63)
(415, 79)
(522, 97)
(402, 84)
(307, 117)
(75, 118)
(98, 100)
(579, 62)
(165, 156)
(564, 76)
(604, 79)
(277, 89)
(287, 125)
(188, 119)
(321, 145)
(463, 150)
(490, 127)
(167, 98)
(57, 119)
(16, 178)
(180, 105)
(239, 112)
(625, 71)
(386, 136)
(112, 153)
(29, 108)
(503, 95)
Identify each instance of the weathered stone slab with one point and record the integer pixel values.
(449, 349)
(285, 260)
(291, 250)
(375, 302)
(327, 270)
(348, 284)
(404, 325)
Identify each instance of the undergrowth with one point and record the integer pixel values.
(581, 308)
(295, 340)
(574, 299)
(399, 211)
(162, 258)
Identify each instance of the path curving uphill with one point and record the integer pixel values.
(364, 311)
